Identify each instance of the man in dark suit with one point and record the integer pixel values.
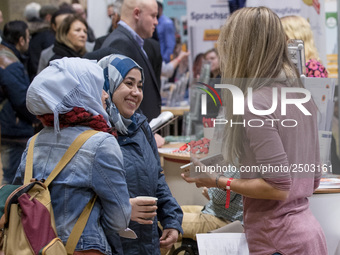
(153, 50)
(138, 21)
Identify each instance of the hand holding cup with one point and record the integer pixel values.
(143, 209)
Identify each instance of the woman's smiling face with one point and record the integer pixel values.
(129, 94)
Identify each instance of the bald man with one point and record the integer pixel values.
(138, 22)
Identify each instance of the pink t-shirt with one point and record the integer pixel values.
(287, 227)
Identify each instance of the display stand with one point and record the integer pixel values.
(325, 206)
(185, 193)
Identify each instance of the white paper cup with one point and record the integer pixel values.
(147, 198)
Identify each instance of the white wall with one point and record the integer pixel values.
(97, 16)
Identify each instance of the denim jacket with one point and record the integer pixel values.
(97, 168)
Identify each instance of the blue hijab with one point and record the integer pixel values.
(115, 68)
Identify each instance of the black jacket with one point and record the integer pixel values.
(41, 38)
(61, 50)
(153, 50)
(15, 120)
(99, 54)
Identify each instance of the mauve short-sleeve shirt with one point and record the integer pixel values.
(287, 227)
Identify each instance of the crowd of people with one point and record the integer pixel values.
(50, 84)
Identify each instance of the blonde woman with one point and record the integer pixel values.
(70, 38)
(297, 27)
(277, 218)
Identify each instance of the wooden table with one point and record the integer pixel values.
(327, 191)
(185, 193)
(177, 111)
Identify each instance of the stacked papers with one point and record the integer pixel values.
(329, 183)
(163, 118)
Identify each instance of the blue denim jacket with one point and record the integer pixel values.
(97, 168)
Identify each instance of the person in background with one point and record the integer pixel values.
(169, 68)
(114, 14)
(211, 56)
(166, 33)
(56, 20)
(110, 14)
(124, 82)
(197, 66)
(67, 98)
(153, 51)
(65, 5)
(277, 218)
(31, 12)
(297, 27)
(46, 12)
(214, 215)
(79, 9)
(236, 4)
(138, 21)
(42, 37)
(17, 39)
(212, 60)
(59, 16)
(1, 20)
(15, 120)
(70, 38)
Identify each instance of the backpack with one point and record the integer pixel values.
(27, 221)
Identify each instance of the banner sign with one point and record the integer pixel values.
(204, 21)
(312, 10)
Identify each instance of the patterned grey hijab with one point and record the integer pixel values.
(115, 68)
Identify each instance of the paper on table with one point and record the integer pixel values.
(166, 150)
(329, 183)
(208, 161)
(222, 243)
(211, 160)
(160, 120)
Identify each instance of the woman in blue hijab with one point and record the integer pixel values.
(124, 83)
